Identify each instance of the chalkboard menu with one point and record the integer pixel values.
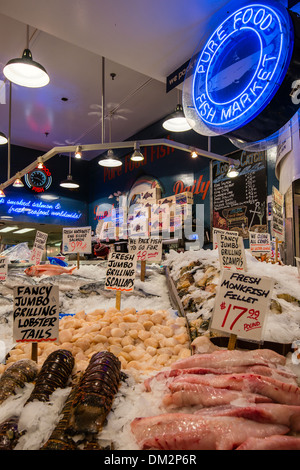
(239, 204)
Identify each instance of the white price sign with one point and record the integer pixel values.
(3, 268)
(77, 240)
(241, 304)
(38, 247)
(146, 249)
(231, 251)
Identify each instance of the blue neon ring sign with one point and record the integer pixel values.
(241, 67)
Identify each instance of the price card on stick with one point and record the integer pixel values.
(77, 240)
(241, 304)
(231, 251)
(146, 249)
(216, 231)
(38, 247)
(120, 274)
(3, 268)
(35, 314)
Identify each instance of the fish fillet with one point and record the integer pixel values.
(271, 443)
(281, 374)
(181, 431)
(275, 390)
(186, 394)
(228, 358)
(288, 415)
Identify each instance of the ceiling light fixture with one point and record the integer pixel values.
(69, 183)
(177, 122)
(9, 229)
(194, 154)
(111, 160)
(40, 163)
(25, 71)
(137, 155)
(18, 183)
(232, 171)
(2, 193)
(24, 230)
(78, 153)
(3, 139)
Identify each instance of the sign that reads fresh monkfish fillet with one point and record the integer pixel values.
(121, 271)
(241, 304)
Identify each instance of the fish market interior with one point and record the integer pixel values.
(149, 226)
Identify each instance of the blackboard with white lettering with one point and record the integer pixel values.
(240, 203)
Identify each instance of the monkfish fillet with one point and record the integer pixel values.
(288, 415)
(185, 394)
(228, 358)
(275, 390)
(281, 374)
(271, 443)
(181, 431)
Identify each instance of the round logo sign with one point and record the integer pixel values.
(38, 179)
(241, 67)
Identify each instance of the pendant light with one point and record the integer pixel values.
(3, 139)
(69, 183)
(111, 160)
(137, 155)
(177, 122)
(2, 193)
(25, 71)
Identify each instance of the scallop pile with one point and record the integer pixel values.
(146, 340)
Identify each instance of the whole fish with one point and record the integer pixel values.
(48, 269)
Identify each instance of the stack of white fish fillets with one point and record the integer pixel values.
(235, 400)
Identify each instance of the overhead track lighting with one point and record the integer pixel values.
(3, 139)
(78, 153)
(194, 154)
(25, 71)
(137, 155)
(2, 193)
(111, 160)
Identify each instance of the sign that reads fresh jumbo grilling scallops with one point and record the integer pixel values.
(121, 272)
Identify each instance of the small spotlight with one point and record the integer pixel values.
(194, 154)
(78, 153)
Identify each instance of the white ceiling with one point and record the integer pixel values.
(142, 41)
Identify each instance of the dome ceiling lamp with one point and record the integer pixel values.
(69, 183)
(18, 183)
(232, 171)
(25, 71)
(3, 139)
(177, 122)
(110, 160)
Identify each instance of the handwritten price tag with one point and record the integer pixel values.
(241, 305)
(146, 249)
(77, 240)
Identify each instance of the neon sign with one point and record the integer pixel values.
(37, 209)
(241, 67)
